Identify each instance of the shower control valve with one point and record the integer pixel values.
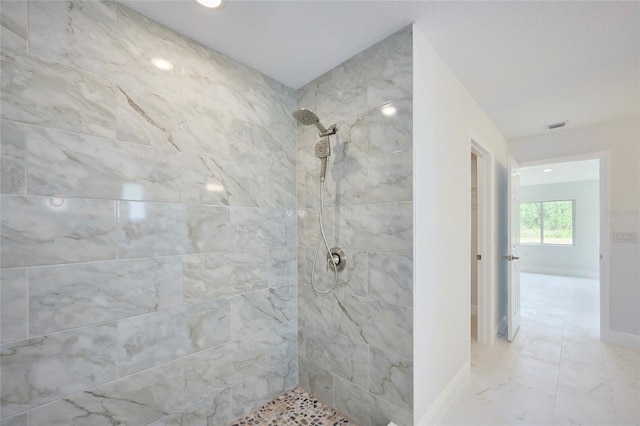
(337, 258)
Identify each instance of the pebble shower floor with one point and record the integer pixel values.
(295, 407)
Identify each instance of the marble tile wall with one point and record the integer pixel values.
(148, 227)
(356, 343)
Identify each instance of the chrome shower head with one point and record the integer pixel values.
(307, 118)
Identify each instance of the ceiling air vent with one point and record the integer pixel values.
(557, 125)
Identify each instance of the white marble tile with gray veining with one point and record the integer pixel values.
(149, 340)
(282, 267)
(391, 278)
(264, 386)
(44, 231)
(315, 379)
(385, 326)
(71, 164)
(149, 118)
(12, 157)
(282, 188)
(13, 25)
(346, 183)
(84, 33)
(391, 378)
(208, 371)
(262, 350)
(17, 420)
(308, 226)
(155, 229)
(69, 296)
(374, 132)
(339, 354)
(390, 78)
(319, 310)
(352, 279)
(255, 144)
(214, 409)
(262, 228)
(46, 93)
(377, 227)
(302, 338)
(395, 41)
(134, 400)
(84, 358)
(214, 275)
(14, 304)
(390, 177)
(262, 309)
(206, 180)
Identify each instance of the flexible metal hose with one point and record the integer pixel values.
(315, 258)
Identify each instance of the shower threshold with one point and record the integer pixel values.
(292, 408)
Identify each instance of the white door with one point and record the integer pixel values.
(513, 243)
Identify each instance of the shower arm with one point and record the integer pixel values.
(332, 130)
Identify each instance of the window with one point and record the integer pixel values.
(547, 222)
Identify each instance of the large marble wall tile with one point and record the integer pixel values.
(309, 229)
(14, 304)
(155, 229)
(385, 47)
(346, 183)
(151, 119)
(44, 231)
(391, 278)
(206, 180)
(263, 228)
(315, 379)
(283, 266)
(208, 371)
(210, 276)
(214, 409)
(255, 144)
(71, 164)
(366, 408)
(263, 387)
(391, 77)
(134, 400)
(263, 349)
(390, 177)
(282, 189)
(375, 133)
(351, 280)
(302, 338)
(17, 420)
(338, 93)
(50, 94)
(338, 354)
(391, 378)
(388, 327)
(13, 24)
(69, 296)
(148, 340)
(319, 310)
(12, 157)
(377, 227)
(84, 358)
(261, 309)
(90, 35)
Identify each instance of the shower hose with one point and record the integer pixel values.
(330, 256)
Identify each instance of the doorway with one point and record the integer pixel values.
(563, 244)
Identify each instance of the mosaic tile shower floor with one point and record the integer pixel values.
(292, 408)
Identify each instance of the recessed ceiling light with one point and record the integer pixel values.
(210, 3)
(547, 170)
(163, 64)
(388, 110)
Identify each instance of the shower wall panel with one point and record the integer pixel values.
(148, 233)
(356, 343)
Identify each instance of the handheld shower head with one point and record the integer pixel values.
(323, 151)
(307, 118)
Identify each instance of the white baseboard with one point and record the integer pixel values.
(624, 339)
(578, 273)
(446, 397)
(474, 309)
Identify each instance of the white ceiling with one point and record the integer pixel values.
(560, 173)
(528, 64)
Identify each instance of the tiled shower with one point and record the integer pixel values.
(158, 209)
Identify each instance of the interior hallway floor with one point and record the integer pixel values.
(556, 371)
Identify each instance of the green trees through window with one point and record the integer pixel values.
(547, 222)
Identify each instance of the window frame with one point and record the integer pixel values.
(541, 217)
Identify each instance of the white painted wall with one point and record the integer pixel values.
(621, 139)
(445, 116)
(580, 259)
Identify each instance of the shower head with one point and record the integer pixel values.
(307, 118)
